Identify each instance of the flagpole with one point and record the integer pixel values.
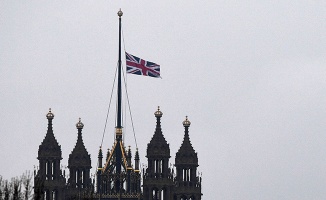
(119, 126)
(118, 152)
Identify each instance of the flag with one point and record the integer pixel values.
(139, 66)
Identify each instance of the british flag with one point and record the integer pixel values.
(139, 66)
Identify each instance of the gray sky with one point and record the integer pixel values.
(251, 76)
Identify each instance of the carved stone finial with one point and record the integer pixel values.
(158, 113)
(50, 115)
(186, 123)
(79, 124)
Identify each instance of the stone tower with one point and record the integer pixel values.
(187, 183)
(79, 164)
(158, 179)
(49, 181)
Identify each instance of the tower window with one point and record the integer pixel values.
(82, 178)
(186, 175)
(46, 169)
(53, 169)
(162, 194)
(77, 178)
(54, 195)
(158, 166)
(46, 195)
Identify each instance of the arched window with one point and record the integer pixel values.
(163, 192)
(46, 194)
(46, 169)
(53, 170)
(54, 195)
(160, 166)
(77, 177)
(82, 178)
(155, 166)
(186, 175)
(156, 194)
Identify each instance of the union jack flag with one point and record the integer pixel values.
(139, 66)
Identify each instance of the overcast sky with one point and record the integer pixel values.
(251, 76)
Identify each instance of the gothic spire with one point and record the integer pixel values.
(79, 155)
(186, 150)
(100, 156)
(129, 157)
(158, 145)
(49, 146)
(137, 160)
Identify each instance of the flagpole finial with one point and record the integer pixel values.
(120, 13)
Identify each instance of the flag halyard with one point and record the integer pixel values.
(139, 66)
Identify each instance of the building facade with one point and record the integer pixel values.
(118, 177)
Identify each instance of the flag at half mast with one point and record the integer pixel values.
(139, 66)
